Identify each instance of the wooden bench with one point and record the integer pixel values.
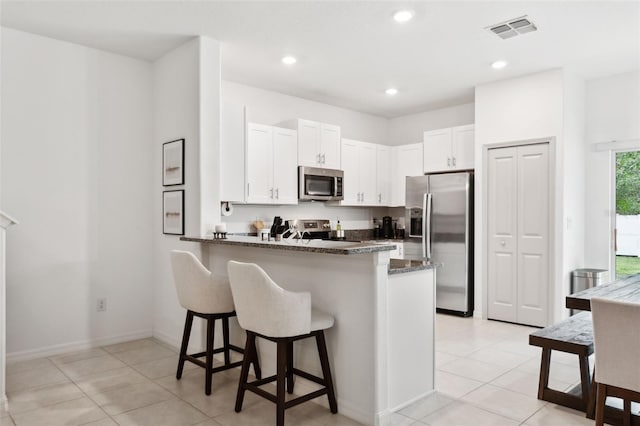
(573, 335)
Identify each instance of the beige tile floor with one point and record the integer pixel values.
(486, 374)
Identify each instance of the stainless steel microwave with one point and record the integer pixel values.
(316, 184)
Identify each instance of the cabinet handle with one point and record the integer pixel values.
(379, 198)
(248, 190)
(318, 158)
(277, 193)
(323, 158)
(271, 190)
(448, 161)
(454, 161)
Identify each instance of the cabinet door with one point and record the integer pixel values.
(463, 147)
(330, 146)
(285, 168)
(502, 259)
(351, 185)
(367, 170)
(259, 164)
(408, 163)
(232, 152)
(308, 143)
(437, 150)
(383, 175)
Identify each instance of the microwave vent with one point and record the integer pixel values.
(513, 27)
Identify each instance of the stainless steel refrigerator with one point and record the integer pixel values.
(439, 218)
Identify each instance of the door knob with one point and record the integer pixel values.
(502, 243)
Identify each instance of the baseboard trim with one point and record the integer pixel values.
(167, 339)
(411, 401)
(77, 346)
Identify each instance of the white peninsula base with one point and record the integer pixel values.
(381, 348)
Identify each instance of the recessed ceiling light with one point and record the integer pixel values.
(289, 60)
(391, 91)
(403, 15)
(498, 65)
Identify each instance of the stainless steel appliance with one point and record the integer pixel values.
(439, 217)
(310, 228)
(316, 184)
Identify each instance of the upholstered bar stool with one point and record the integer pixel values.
(209, 297)
(268, 311)
(617, 346)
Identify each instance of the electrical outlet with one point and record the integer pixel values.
(101, 306)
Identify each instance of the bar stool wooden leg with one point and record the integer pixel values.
(225, 338)
(249, 347)
(256, 362)
(602, 397)
(185, 342)
(290, 367)
(280, 381)
(211, 322)
(326, 370)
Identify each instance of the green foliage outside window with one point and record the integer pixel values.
(628, 183)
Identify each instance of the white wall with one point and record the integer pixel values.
(186, 105)
(574, 198)
(612, 113)
(272, 108)
(76, 170)
(517, 109)
(410, 128)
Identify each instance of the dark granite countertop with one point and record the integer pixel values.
(314, 246)
(401, 266)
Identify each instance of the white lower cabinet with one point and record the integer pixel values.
(359, 166)
(271, 165)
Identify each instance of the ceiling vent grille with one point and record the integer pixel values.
(513, 27)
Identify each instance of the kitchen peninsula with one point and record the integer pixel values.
(381, 347)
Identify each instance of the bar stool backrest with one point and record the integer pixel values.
(616, 333)
(198, 289)
(264, 307)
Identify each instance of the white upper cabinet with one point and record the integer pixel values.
(383, 170)
(449, 149)
(330, 146)
(232, 152)
(359, 166)
(318, 144)
(285, 170)
(406, 161)
(271, 165)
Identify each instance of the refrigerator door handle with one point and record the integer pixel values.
(426, 241)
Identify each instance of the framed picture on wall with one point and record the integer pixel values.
(173, 163)
(173, 212)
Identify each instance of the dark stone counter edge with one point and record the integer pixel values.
(417, 266)
(348, 250)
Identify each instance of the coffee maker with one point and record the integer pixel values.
(387, 227)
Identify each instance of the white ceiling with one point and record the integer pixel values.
(349, 52)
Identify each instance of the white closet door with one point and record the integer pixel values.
(533, 234)
(502, 229)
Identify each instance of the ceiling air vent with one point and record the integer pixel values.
(513, 27)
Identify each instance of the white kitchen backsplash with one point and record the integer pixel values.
(350, 217)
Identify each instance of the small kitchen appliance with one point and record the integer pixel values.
(387, 227)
